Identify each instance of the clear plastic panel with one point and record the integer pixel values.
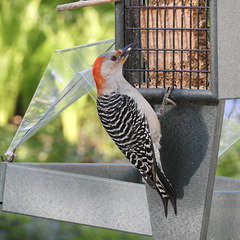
(67, 77)
(231, 125)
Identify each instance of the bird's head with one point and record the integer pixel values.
(108, 66)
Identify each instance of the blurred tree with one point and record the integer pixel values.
(17, 227)
(30, 32)
(229, 162)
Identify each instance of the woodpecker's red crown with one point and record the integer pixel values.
(108, 65)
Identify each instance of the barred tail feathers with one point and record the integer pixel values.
(165, 190)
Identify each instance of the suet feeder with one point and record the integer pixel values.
(189, 44)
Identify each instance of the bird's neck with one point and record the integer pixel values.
(110, 84)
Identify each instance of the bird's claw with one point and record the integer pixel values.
(166, 100)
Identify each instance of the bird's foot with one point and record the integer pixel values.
(165, 101)
(166, 98)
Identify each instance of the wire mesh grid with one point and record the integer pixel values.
(173, 43)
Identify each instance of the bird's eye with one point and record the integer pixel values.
(113, 58)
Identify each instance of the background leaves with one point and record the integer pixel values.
(30, 31)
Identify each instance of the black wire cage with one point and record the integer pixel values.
(173, 43)
(193, 45)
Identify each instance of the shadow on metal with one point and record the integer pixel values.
(104, 195)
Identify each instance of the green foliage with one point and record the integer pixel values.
(30, 31)
(16, 227)
(229, 162)
(49, 144)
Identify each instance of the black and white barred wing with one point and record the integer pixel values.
(129, 130)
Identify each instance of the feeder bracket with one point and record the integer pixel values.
(102, 195)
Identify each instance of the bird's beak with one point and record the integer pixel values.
(125, 52)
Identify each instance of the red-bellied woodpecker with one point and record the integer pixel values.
(130, 121)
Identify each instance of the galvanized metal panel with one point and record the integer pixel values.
(225, 216)
(50, 201)
(226, 184)
(155, 95)
(119, 25)
(76, 198)
(190, 141)
(228, 34)
(123, 172)
(2, 181)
